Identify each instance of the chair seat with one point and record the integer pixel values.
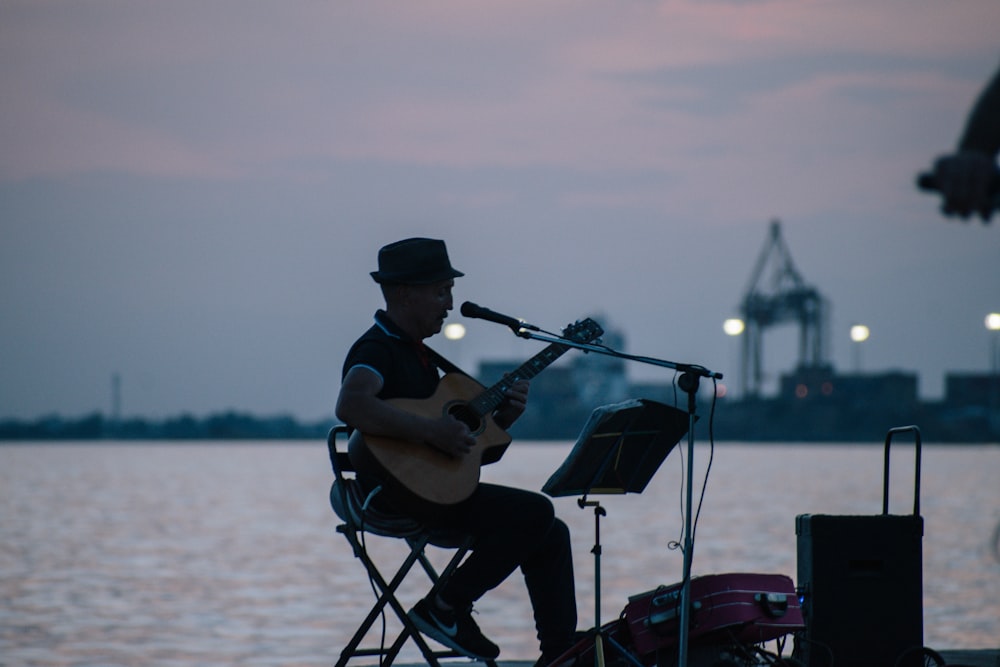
(370, 518)
(379, 522)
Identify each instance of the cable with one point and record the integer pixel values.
(674, 545)
(711, 457)
(678, 544)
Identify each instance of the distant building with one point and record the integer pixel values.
(972, 389)
(599, 378)
(657, 391)
(813, 403)
(856, 391)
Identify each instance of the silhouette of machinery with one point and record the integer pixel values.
(777, 294)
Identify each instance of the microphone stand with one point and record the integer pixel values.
(689, 382)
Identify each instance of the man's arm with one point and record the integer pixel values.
(359, 405)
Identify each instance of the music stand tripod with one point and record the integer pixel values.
(618, 451)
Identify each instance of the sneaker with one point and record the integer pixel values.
(453, 628)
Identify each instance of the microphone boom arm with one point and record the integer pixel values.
(700, 371)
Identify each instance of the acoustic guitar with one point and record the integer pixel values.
(424, 473)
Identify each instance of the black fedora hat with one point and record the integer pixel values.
(416, 261)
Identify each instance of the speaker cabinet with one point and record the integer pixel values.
(861, 583)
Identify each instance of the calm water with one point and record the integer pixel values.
(224, 555)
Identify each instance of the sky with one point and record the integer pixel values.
(192, 193)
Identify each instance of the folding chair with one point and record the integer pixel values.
(359, 518)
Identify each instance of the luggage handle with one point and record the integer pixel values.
(774, 605)
(669, 606)
(916, 475)
(670, 614)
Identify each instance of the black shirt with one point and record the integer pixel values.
(402, 362)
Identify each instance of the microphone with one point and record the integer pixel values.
(476, 311)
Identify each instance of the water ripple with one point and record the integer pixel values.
(227, 555)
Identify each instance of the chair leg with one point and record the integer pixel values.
(439, 579)
(387, 597)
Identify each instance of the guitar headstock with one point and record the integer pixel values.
(583, 331)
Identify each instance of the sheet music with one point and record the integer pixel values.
(619, 449)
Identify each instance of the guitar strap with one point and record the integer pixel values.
(443, 363)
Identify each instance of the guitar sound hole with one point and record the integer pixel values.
(464, 414)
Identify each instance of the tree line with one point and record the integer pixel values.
(229, 425)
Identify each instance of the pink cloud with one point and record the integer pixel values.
(233, 88)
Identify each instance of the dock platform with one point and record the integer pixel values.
(983, 657)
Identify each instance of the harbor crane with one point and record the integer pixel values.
(782, 297)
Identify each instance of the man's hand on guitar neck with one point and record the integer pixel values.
(515, 401)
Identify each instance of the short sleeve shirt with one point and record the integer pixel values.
(401, 362)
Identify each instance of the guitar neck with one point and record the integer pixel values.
(488, 401)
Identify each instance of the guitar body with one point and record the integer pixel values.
(426, 473)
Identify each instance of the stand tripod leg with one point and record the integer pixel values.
(598, 630)
(598, 513)
(624, 652)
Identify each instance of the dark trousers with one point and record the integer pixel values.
(514, 528)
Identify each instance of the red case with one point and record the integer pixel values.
(741, 607)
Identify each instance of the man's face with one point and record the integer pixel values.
(429, 306)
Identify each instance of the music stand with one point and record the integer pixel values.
(618, 452)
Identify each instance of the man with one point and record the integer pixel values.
(968, 178)
(513, 528)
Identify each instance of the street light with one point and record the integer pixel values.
(859, 334)
(734, 327)
(454, 331)
(993, 324)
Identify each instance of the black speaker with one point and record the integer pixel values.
(861, 583)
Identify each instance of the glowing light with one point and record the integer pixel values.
(454, 331)
(860, 333)
(733, 326)
(993, 324)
